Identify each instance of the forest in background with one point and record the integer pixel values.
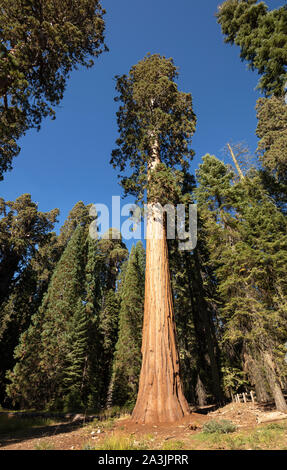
(71, 308)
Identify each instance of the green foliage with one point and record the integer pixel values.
(261, 36)
(40, 44)
(64, 354)
(28, 255)
(272, 147)
(115, 442)
(127, 359)
(173, 445)
(221, 427)
(44, 445)
(247, 246)
(152, 111)
(22, 228)
(37, 378)
(15, 424)
(263, 438)
(79, 215)
(233, 379)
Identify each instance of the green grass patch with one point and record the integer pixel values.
(272, 436)
(173, 445)
(219, 427)
(116, 442)
(9, 424)
(45, 445)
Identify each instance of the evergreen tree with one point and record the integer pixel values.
(261, 36)
(156, 123)
(108, 334)
(246, 234)
(43, 351)
(41, 43)
(272, 147)
(75, 376)
(127, 360)
(79, 215)
(29, 287)
(90, 362)
(15, 316)
(22, 228)
(195, 313)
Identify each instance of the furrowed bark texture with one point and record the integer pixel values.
(160, 396)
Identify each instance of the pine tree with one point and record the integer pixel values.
(272, 147)
(156, 123)
(22, 228)
(195, 313)
(79, 215)
(112, 253)
(15, 318)
(127, 360)
(246, 232)
(261, 36)
(41, 43)
(28, 288)
(75, 376)
(37, 378)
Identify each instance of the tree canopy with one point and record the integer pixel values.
(41, 42)
(152, 109)
(261, 36)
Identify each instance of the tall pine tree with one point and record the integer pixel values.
(246, 232)
(127, 359)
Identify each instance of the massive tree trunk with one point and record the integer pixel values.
(160, 396)
(207, 348)
(256, 375)
(274, 383)
(262, 372)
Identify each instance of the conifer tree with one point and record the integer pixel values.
(195, 313)
(75, 376)
(261, 36)
(22, 228)
(272, 147)
(15, 316)
(28, 288)
(127, 359)
(111, 253)
(37, 378)
(79, 215)
(41, 43)
(246, 231)
(156, 123)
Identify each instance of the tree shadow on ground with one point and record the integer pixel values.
(15, 437)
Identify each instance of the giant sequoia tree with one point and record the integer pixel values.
(156, 123)
(41, 42)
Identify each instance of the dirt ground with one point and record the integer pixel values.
(79, 436)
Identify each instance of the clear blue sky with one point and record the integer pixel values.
(68, 160)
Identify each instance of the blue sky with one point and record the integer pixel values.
(68, 160)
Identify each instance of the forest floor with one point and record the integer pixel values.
(256, 429)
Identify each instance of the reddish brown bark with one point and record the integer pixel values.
(160, 396)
